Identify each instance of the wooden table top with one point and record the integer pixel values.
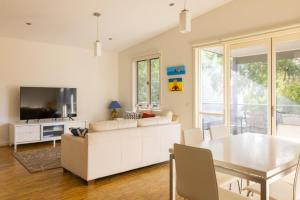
(257, 154)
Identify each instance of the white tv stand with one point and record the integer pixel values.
(32, 132)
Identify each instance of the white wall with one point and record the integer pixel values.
(26, 63)
(237, 17)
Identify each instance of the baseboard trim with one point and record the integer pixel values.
(4, 144)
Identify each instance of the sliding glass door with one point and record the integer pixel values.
(251, 85)
(286, 86)
(211, 87)
(249, 89)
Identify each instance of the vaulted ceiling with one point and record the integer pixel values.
(71, 22)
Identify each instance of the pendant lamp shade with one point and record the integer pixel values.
(97, 44)
(97, 48)
(185, 21)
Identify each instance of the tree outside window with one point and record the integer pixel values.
(148, 83)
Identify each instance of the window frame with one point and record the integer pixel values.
(149, 105)
(198, 95)
(272, 37)
(137, 80)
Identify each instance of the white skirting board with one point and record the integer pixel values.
(3, 143)
(4, 139)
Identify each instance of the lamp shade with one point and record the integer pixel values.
(97, 48)
(185, 21)
(114, 105)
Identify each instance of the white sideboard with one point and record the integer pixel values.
(25, 133)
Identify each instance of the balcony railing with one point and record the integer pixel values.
(250, 117)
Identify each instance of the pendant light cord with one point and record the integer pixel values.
(185, 4)
(97, 28)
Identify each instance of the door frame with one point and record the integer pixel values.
(275, 40)
(272, 37)
(197, 93)
(242, 44)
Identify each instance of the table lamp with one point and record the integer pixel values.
(114, 105)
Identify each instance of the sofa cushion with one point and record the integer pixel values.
(168, 114)
(105, 125)
(164, 120)
(127, 123)
(148, 121)
(114, 124)
(154, 121)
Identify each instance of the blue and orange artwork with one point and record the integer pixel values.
(176, 70)
(175, 84)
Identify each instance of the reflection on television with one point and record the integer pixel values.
(43, 103)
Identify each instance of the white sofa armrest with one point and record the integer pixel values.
(74, 155)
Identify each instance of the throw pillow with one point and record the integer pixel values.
(79, 132)
(147, 115)
(132, 115)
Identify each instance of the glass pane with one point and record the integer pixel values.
(249, 92)
(211, 80)
(288, 88)
(142, 82)
(210, 120)
(155, 82)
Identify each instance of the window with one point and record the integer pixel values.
(148, 83)
(247, 82)
(249, 87)
(211, 87)
(252, 85)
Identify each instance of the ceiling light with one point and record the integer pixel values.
(185, 20)
(97, 44)
(28, 23)
(110, 38)
(171, 4)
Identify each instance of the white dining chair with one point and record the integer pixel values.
(281, 189)
(289, 178)
(196, 177)
(193, 137)
(218, 132)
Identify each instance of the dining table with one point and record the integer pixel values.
(254, 157)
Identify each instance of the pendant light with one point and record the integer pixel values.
(97, 45)
(185, 20)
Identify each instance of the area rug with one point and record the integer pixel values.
(39, 159)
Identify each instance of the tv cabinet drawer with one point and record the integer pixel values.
(27, 133)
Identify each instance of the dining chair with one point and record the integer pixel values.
(196, 177)
(281, 189)
(193, 137)
(218, 132)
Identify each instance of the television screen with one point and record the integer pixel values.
(43, 103)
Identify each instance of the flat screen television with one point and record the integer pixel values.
(46, 103)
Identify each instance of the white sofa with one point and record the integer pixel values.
(118, 146)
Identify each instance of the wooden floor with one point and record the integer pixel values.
(16, 183)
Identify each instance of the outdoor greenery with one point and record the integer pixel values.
(142, 78)
(251, 79)
(212, 68)
(155, 80)
(288, 79)
(146, 82)
(287, 84)
(211, 86)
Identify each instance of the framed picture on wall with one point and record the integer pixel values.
(175, 85)
(176, 70)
